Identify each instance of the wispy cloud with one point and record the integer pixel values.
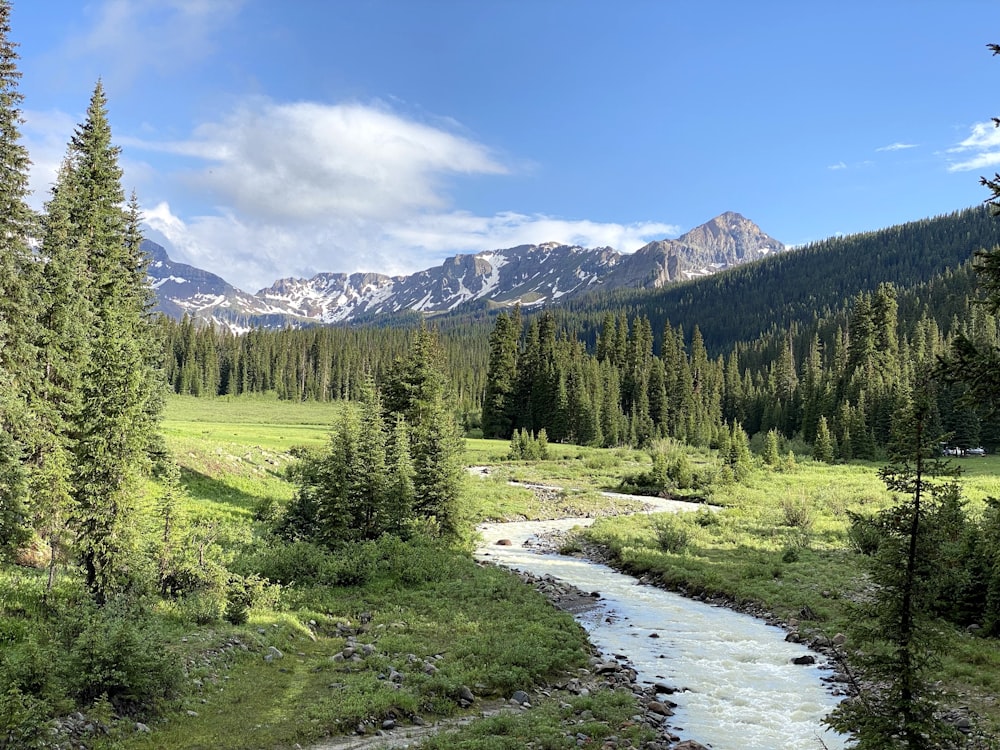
(897, 147)
(305, 187)
(162, 35)
(980, 150)
(251, 254)
(312, 161)
(45, 135)
(838, 165)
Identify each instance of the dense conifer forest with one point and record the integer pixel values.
(837, 330)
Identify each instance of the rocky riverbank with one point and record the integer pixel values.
(654, 708)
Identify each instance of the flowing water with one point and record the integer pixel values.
(740, 690)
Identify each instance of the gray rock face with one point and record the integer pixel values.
(528, 274)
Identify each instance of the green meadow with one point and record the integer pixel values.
(780, 543)
(279, 679)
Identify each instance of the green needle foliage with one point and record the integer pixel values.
(896, 705)
(18, 280)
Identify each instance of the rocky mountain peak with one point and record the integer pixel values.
(529, 274)
(729, 238)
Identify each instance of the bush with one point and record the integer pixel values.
(27, 666)
(242, 593)
(797, 514)
(285, 563)
(671, 534)
(23, 720)
(864, 534)
(202, 607)
(601, 460)
(122, 657)
(526, 446)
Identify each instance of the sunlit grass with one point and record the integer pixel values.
(779, 542)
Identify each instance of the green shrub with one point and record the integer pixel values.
(202, 607)
(417, 560)
(23, 720)
(352, 565)
(601, 460)
(705, 517)
(796, 513)
(791, 553)
(284, 563)
(242, 594)
(864, 535)
(527, 446)
(671, 534)
(27, 666)
(121, 656)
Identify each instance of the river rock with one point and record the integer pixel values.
(804, 660)
(690, 745)
(657, 707)
(520, 697)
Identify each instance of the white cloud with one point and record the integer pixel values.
(306, 161)
(46, 136)
(163, 35)
(300, 188)
(838, 165)
(897, 147)
(449, 232)
(251, 254)
(980, 150)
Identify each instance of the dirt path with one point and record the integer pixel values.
(410, 735)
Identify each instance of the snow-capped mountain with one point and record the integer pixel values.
(529, 274)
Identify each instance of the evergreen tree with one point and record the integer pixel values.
(119, 405)
(400, 492)
(896, 706)
(18, 280)
(64, 324)
(501, 378)
(417, 391)
(737, 453)
(771, 456)
(367, 484)
(823, 449)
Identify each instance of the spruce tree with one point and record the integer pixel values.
(501, 378)
(117, 421)
(18, 282)
(368, 482)
(896, 706)
(399, 490)
(771, 456)
(418, 391)
(823, 448)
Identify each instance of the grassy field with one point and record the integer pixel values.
(779, 543)
(408, 604)
(280, 679)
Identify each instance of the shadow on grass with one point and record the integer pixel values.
(201, 487)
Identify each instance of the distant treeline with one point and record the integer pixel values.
(837, 330)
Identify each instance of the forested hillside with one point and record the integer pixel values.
(800, 285)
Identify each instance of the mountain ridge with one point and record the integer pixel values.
(530, 275)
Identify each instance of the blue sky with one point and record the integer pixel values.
(271, 139)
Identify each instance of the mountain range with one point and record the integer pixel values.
(528, 274)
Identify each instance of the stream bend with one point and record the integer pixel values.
(739, 687)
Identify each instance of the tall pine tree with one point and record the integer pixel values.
(18, 280)
(118, 411)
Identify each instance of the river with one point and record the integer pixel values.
(739, 687)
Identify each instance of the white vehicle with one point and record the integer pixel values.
(975, 452)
